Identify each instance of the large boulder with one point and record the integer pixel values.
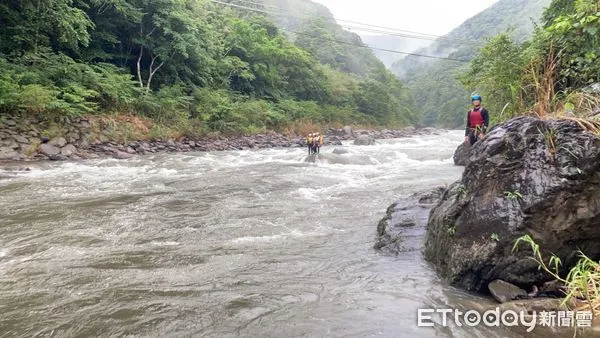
(58, 142)
(462, 154)
(348, 131)
(364, 140)
(48, 149)
(403, 227)
(68, 150)
(527, 176)
(504, 292)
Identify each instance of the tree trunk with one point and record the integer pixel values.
(139, 67)
(152, 72)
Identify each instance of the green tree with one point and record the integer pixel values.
(30, 25)
(495, 73)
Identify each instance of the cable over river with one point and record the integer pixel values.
(243, 243)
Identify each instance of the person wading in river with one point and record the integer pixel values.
(310, 143)
(478, 120)
(318, 142)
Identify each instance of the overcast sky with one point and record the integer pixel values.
(436, 17)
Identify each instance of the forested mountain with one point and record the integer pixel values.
(552, 74)
(391, 42)
(434, 83)
(192, 65)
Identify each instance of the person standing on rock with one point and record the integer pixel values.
(478, 120)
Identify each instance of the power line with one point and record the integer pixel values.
(379, 49)
(371, 28)
(387, 33)
(340, 41)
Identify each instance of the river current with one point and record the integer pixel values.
(240, 243)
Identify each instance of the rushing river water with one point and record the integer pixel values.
(246, 243)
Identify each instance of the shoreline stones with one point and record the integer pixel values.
(21, 140)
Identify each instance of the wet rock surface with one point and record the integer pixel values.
(403, 227)
(528, 176)
(364, 140)
(504, 292)
(462, 154)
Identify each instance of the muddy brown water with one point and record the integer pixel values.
(246, 243)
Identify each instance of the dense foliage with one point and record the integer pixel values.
(190, 64)
(435, 84)
(550, 72)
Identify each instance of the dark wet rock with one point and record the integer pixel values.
(403, 227)
(462, 154)
(48, 149)
(68, 150)
(58, 157)
(364, 140)
(333, 141)
(340, 151)
(504, 292)
(517, 183)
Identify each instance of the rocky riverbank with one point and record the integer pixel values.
(527, 177)
(28, 137)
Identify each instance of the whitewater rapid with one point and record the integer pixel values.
(238, 243)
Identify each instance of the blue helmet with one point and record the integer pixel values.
(476, 97)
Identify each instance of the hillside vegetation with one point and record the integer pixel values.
(192, 66)
(435, 84)
(552, 74)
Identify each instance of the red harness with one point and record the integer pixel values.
(476, 118)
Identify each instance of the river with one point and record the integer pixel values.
(242, 243)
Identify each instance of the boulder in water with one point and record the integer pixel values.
(528, 176)
(340, 151)
(504, 292)
(364, 140)
(333, 140)
(462, 154)
(403, 227)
